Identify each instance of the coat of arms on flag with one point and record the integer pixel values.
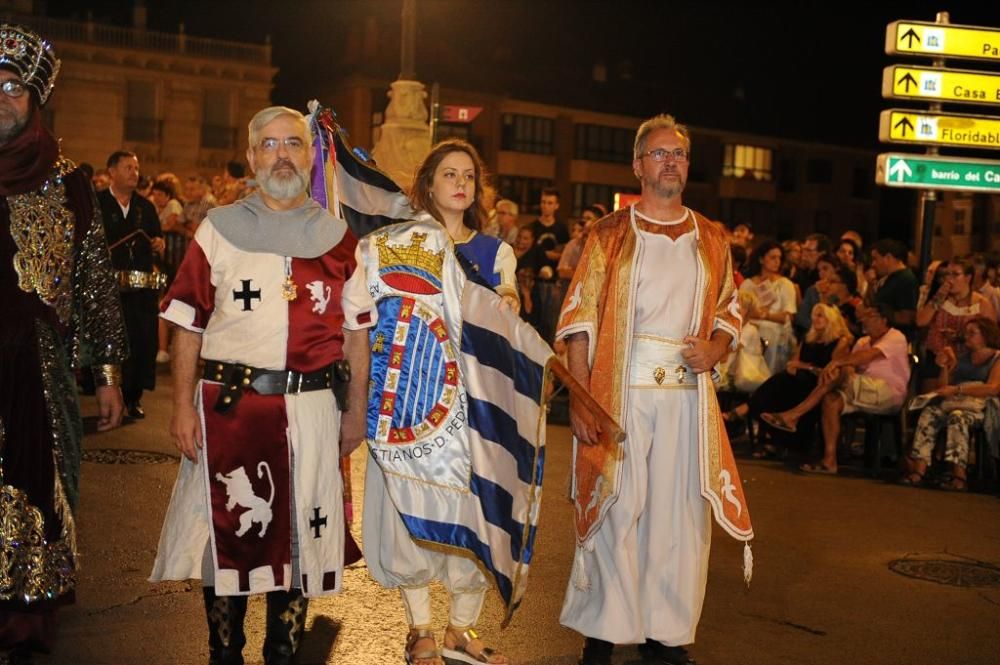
(456, 418)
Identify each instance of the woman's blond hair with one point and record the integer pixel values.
(836, 326)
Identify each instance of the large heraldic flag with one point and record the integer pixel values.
(456, 417)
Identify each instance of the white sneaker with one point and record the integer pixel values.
(162, 357)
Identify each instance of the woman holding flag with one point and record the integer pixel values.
(431, 510)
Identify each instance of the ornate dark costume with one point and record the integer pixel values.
(60, 309)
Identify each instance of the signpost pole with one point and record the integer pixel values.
(925, 228)
(928, 197)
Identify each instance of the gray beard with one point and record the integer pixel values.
(11, 127)
(284, 187)
(667, 191)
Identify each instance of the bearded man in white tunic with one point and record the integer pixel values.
(258, 502)
(647, 318)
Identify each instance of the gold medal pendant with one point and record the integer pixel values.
(289, 290)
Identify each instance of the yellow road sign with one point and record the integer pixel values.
(943, 85)
(951, 129)
(943, 41)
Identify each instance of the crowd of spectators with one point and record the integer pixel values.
(842, 328)
(831, 328)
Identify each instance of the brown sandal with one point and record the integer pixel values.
(426, 656)
(460, 655)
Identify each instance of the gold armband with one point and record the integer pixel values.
(107, 375)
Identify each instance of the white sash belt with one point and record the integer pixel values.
(657, 363)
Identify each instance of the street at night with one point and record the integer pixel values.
(822, 593)
(746, 256)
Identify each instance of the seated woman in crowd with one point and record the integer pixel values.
(776, 299)
(967, 382)
(840, 289)
(828, 339)
(849, 255)
(745, 370)
(826, 265)
(793, 255)
(945, 314)
(872, 378)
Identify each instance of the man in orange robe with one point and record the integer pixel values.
(650, 312)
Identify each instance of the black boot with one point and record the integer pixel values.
(596, 652)
(286, 621)
(225, 627)
(655, 653)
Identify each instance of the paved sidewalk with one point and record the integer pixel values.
(822, 592)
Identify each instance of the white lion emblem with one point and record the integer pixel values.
(595, 498)
(729, 490)
(319, 297)
(239, 492)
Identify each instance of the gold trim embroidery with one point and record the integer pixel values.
(31, 568)
(42, 228)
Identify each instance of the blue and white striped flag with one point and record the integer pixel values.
(456, 417)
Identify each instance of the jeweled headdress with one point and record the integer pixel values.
(30, 57)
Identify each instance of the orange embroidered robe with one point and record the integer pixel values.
(601, 302)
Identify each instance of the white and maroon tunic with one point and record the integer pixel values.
(268, 474)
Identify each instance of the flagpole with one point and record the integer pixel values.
(576, 389)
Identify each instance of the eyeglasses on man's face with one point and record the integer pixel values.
(291, 143)
(662, 154)
(13, 88)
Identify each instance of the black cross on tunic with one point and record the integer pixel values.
(316, 522)
(246, 295)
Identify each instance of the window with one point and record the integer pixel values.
(787, 176)
(603, 144)
(585, 194)
(459, 130)
(525, 192)
(526, 133)
(747, 161)
(863, 182)
(823, 222)
(819, 171)
(217, 129)
(962, 210)
(141, 121)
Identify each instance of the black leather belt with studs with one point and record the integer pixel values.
(234, 378)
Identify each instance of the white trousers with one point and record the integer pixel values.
(647, 565)
(395, 560)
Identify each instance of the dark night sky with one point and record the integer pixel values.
(807, 70)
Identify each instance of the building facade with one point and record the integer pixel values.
(180, 103)
(783, 188)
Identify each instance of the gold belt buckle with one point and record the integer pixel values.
(680, 372)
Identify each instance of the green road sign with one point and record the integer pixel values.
(935, 172)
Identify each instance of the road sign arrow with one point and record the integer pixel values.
(911, 35)
(904, 123)
(908, 79)
(901, 169)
